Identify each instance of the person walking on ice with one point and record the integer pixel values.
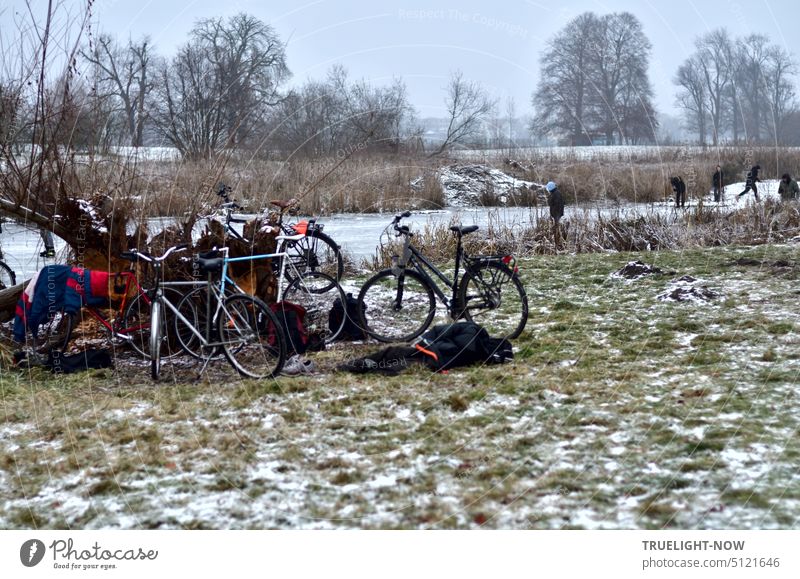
(752, 179)
(717, 184)
(679, 187)
(556, 203)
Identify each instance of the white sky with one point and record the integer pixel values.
(497, 43)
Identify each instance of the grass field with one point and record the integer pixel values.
(620, 410)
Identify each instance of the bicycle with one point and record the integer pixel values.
(130, 324)
(247, 331)
(398, 304)
(315, 251)
(314, 291)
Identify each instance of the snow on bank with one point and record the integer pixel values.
(471, 185)
(767, 189)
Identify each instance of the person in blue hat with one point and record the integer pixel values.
(556, 203)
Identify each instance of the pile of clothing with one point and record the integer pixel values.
(58, 288)
(440, 349)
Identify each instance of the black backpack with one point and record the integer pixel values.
(61, 363)
(351, 330)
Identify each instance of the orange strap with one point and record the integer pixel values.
(428, 352)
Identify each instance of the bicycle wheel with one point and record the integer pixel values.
(315, 252)
(492, 296)
(136, 324)
(55, 333)
(396, 308)
(155, 338)
(251, 338)
(7, 276)
(308, 291)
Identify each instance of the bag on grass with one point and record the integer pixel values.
(60, 363)
(349, 311)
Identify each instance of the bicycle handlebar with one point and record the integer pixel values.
(136, 255)
(402, 230)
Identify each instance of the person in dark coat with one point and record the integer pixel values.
(679, 187)
(788, 188)
(717, 184)
(556, 203)
(752, 179)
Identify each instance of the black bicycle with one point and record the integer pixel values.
(314, 252)
(398, 304)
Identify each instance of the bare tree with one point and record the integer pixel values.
(618, 67)
(747, 86)
(338, 116)
(780, 90)
(124, 74)
(594, 82)
(714, 57)
(511, 118)
(468, 106)
(221, 85)
(692, 96)
(562, 100)
(753, 54)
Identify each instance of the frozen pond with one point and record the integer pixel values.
(360, 234)
(21, 247)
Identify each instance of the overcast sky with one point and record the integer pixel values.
(495, 42)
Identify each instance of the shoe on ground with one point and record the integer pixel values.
(298, 366)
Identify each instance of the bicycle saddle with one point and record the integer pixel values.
(281, 203)
(213, 265)
(464, 229)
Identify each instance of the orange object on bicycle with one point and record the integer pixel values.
(301, 227)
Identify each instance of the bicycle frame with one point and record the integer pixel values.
(413, 259)
(284, 257)
(205, 340)
(113, 326)
(217, 289)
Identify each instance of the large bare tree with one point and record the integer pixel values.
(715, 59)
(734, 87)
(594, 82)
(562, 101)
(780, 91)
(220, 85)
